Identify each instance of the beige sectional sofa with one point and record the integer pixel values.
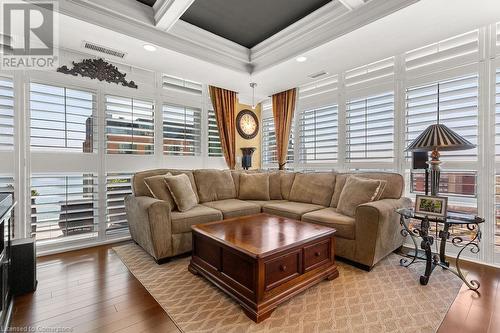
(365, 238)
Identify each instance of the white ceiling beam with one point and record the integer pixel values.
(168, 12)
(215, 50)
(352, 4)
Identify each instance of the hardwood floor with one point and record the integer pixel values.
(91, 290)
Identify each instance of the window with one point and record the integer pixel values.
(129, 126)
(181, 130)
(6, 113)
(458, 105)
(269, 149)
(435, 57)
(61, 119)
(318, 135)
(452, 183)
(174, 83)
(6, 183)
(118, 186)
(318, 89)
(497, 213)
(370, 129)
(371, 74)
(497, 152)
(63, 206)
(214, 145)
(497, 115)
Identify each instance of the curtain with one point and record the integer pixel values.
(283, 109)
(224, 103)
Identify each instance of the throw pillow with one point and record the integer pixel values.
(358, 191)
(254, 186)
(159, 190)
(182, 191)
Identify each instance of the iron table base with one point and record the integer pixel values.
(438, 259)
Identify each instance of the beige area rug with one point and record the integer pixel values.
(387, 299)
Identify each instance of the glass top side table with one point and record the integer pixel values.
(434, 259)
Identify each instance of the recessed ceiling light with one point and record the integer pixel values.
(301, 59)
(149, 47)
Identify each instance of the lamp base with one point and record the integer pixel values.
(435, 171)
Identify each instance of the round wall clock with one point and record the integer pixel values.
(247, 124)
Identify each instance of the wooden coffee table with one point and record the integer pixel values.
(263, 260)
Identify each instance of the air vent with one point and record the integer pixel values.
(317, 75)
(103, 49)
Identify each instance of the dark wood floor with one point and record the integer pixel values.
(91, 290)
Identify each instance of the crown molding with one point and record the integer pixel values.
(125, 17)
(192, 33)
(352, 4)
(324, 25)
(129, 17)
(168, 12)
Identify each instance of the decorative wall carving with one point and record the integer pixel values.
(98, 69)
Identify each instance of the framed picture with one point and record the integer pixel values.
(428, 205)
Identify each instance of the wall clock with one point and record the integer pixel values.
(247, 124)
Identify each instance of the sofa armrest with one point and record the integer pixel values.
(150, 224)
(378, 229)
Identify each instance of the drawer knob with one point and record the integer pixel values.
(282, 268)
(317, 254)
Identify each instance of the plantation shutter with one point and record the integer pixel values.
(214, 145)
(61, 118)
(269, 148)
(318, 135)
(370, 129)
(458, 105)
(63, 206)
(6, 113)
(181, 130)
(129, 126)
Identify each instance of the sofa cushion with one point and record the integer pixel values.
(234, 207)
(393, 189)
(314, 188)
(182, 192)
(159, 190)
(214, 185)
(358, 191)
(263, 203)
(293, 210)
(254, 186)
(331, 218)
(275, 186)
(182, 221)
(286, 180)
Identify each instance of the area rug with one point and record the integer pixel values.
(387, 299)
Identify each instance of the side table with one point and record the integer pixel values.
(434, 259)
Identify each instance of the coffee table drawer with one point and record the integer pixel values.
(282, 269)
(316, 254)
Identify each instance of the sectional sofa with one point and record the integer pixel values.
(365, 238)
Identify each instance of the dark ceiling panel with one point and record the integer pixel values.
(148, 2)
(248, 22)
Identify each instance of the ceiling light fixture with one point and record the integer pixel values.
(253, 85)
(149, 47)
(301, 59)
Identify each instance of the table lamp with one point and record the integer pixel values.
(436, 138)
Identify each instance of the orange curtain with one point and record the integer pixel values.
(283, 109)
(224, 103)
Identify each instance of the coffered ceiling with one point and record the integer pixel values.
(339, 35)
(248, 22)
